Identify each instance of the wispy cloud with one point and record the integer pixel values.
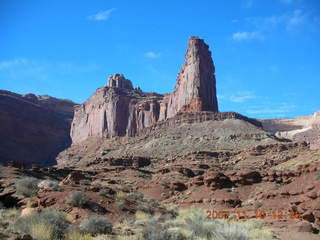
(23, 68)
(294, 21)
(11, 63)
(288, 2)
(102, 15)
(238, 97)
(271, 110)
(152, 54)
(239, 36)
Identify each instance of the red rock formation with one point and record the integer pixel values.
(120, 110)
(196, 84)
(34, 129)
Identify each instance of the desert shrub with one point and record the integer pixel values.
(48, 184)
(40, 231)
(121, 204)
(96, 225)
(85, 182)
(104, 192)
(77, 199)
(154, 231)
(78, 236)
(27, 186)
(153, 202)
(121, 195)
(108, 237)
(194, 225)
(1, 205)
(45, 225)
(318, 176)
(257, 204)
(9, 215)
(141, 206)
(136, 195)
(246, 202)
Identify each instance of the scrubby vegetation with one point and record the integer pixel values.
(191, 225)
(172, 224)
(318, 176)
(96, 225)
(104, 192)
(27, 186)
(85, 182)
(77, 199)
(44, 225)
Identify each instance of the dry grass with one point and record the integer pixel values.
(78, 236)
(42, 232)
(121, 195)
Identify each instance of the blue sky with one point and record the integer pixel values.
(266, 52)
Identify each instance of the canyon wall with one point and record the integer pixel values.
(34, 128)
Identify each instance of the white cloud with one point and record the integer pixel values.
(11, 63)
(239, 36)
(152, 54)
(240, 97)
(102, 15)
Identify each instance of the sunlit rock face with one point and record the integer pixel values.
(118, 109)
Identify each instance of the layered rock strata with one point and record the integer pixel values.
(118, 109)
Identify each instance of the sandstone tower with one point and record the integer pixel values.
(120, 110)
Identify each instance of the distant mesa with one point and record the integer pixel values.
(120, 110)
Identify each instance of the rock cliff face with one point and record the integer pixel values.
(34, 129)
(305, 128)
(120, 110)
(196, 84)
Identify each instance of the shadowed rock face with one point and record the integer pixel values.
(120, 110)
(34, 129)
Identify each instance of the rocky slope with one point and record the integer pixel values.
(34, 129)
(120, 110)
(173, 137)
(305, 128)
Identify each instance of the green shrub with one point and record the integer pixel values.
(121, 204)
(85, 182)
(318, 176)
(27, 186)
(104, 192)
(96, 225)
(45, 225)
(77, 199)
